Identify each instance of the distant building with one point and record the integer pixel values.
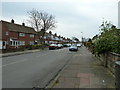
(119, 15)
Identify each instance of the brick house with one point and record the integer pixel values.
(15, 35)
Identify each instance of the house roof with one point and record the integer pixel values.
(18, 28)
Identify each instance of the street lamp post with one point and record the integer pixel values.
(82, 37)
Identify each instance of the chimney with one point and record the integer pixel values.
(55, 34)
(50, 32)
(12, 21)
(23, 24)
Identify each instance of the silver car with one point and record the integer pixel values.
(73, 48)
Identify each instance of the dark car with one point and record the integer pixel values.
(73, 48)
(65, 45)
(53, 46)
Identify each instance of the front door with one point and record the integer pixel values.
(16, 44)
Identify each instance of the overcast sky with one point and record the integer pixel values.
(72, 16)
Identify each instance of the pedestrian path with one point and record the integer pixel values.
(84, 71)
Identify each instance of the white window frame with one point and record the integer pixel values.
(1, 44)
(22, 43)
(57, 38)
(52, 37)
(7, 33)
(44, 37)
(21, 34)
(32, 35)
(13, 43)
(31, 42)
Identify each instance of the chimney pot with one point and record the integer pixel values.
(23, 24)
(12, 21)
(50, 32)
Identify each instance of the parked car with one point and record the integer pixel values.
(53, 46)
(73, 48)
(67, 45)
(60, 46)
(79, 45)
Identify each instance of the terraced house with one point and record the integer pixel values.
(15, 36)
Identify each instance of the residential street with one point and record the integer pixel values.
(49, 45)
(33, 69)
(37, 69)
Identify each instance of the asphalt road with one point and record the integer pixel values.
(33, 69)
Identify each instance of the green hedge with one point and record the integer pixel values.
(30, 47)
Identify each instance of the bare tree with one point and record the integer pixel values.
(76, 39)
(41, 22)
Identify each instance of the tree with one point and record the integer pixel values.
(109, 40)
(76, 39)
(89, 40)
(41, 22)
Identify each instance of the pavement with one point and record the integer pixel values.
(84, 71)
(20, 52)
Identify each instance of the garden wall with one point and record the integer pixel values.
(108, 60)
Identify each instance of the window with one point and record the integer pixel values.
(7, 33)
(57, 38)
(22, 34)
(13, 43)
(44, 37)
(31, 35)
(52, 37)
(31, 43)
(21, 42)
(0, 44)
(61, 39)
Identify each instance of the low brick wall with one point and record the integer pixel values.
(12, 50)
(108, 60)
